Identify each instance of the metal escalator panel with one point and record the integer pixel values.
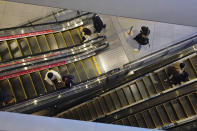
(43, 43)
(194, 62)
(82, 71)
(126, 122)
(122, 97)
(18, 89)
(149, 85)
(24, 46)
(109, 102)
(15, 48)
(164, 79)
(156, 118)
(51, 41)
(6, 87)
(133, 121)
(28, 86)
(128, 94)
(190, 70)
(75, 36)
(193, 98)
(116, 100)
(35, 48)
(39, 83)
(140, 120)
(187, 106)
(148, 119)
(72, 68)
(60, 40)
(156, 81)
(67, 38)
(142, 88)
(90, 67)
(136, 92)
(4, 52)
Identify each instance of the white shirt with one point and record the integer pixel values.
(56, 75)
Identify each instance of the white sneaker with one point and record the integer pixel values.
(136, 50)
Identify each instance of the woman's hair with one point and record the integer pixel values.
(182, 65)
(50, 75)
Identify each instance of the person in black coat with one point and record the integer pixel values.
(68, 81)
(142, 37)
(98, 23)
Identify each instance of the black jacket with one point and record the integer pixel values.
(141, 40)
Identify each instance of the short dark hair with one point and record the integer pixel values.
(50, 75)
(182, 65)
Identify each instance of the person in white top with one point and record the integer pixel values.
(53, 77)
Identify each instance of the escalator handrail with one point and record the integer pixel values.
(47, 52)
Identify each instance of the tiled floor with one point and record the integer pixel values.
(13, 14)
(122, 46)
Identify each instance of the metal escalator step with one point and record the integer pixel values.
(135, 92)
(163, 114)
(149, 85)
(141, 121)
(51, 41)
(163, 76)
(128, 94)
(156, 81)
(103, 105)
(38, 83)
(148, 119)
(172, 114)
(20, 96)
(27, 84)
(67, 38)
(143, 91)
(75, 36)
(98, 108)
(60, 40)
(193, 99)
(33, 45)
(188, 68)
(179, 110)
(194, 61)
(43, 43)
(133, 121)
(24, 46)
(187, 105)
(122, 97)
(116, 100)
(92, 110)
(109, 102)
(126, 122)
(155, 117)
(14, 48)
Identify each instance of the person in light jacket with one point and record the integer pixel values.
(53, 77)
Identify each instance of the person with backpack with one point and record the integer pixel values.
(98, 23)
(142, 37)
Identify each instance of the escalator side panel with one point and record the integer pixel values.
(24, 47)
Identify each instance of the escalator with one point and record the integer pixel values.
(32, 85)
(149, 101)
